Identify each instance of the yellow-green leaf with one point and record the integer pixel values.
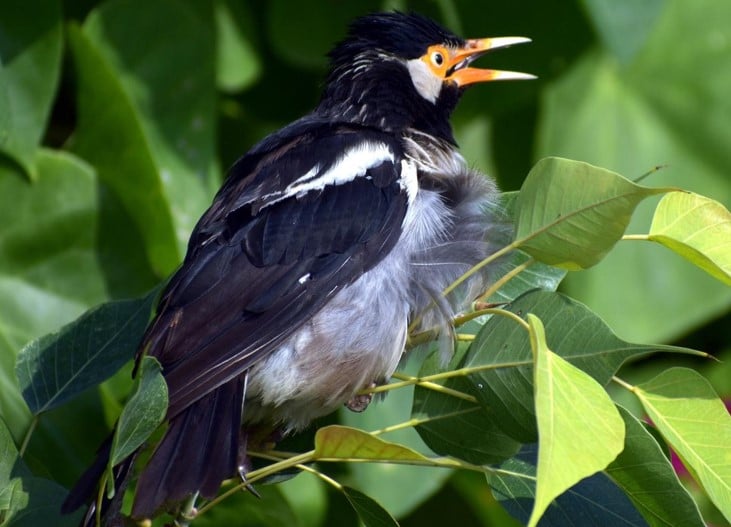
(142, 414)
(570, 214)
(694, 421)
(698, 229)
(343, 442)
(580, 431)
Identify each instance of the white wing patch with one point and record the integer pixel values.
(409, 180)
(352, 164)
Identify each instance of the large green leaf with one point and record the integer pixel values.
(697, 228)
(30, 65)
(571, 214)
(624, 25)
(696, 424)
(244, 509)
(573, 331)
(58, 366)
(580, 430)
(49, 273)
(459, 428)
(593, 502)
(303, 32)
(153, 98)
(645, 474)
(455, 426)
(667, 106)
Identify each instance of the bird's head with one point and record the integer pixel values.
(397, 71)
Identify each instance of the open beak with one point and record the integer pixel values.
(459, 68)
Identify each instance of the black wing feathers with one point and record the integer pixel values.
(265, 260)
(293, 224)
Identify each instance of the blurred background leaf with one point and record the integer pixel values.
(30, 65)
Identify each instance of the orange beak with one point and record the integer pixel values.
(461, 73)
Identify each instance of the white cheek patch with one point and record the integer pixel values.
(426, 83)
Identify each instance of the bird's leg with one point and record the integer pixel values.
(360, 401)
(244, 463)
(187, 512)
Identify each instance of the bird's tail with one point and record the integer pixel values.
(199, 450)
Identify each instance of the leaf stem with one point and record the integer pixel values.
(26, 438)
(410, 381)
(187, 512)
(640, 237)
(428, 335)
(258, 474)
(515, 271)
(623, 384)
(654, 169)
(427, 380)
(413, 422)
(321, 475)
(472, 270)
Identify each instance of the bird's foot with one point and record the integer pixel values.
(360, 402)
(244, 462)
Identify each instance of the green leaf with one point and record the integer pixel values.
(668, 106)
(645, 474)
(143, 413)
(237, 64)
(56, 367)
(537, 276)
(368, 510)
(39, 502)
(570, 214)
(593, 502)
(459, 428)
(142, 96)
(243, 509)
(696, 424)
(30, 65)
(624, 25)
(302, 32)
(698, 229)
(26, 500)
(580, 430)
(49, 272)
(342, 442)
(502, 351)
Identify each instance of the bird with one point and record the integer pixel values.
(327, 241)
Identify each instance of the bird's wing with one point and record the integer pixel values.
(296, 221)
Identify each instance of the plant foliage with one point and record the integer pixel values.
(117, 118)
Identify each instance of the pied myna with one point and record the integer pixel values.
(326, 241)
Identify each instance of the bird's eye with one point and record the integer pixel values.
(437, 58)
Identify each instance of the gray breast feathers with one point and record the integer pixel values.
(471, 227)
